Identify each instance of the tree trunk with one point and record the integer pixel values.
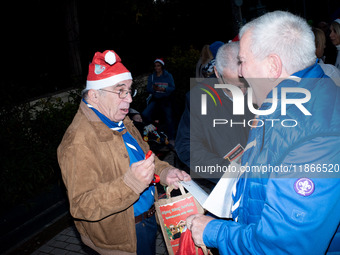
(237, 17)
(72, 28)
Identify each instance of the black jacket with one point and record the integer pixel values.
(199, 144)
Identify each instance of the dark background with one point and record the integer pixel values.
(47, 45)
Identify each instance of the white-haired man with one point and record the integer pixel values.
(200, 144)
(286, 203)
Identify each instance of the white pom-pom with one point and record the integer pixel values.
(110, 58)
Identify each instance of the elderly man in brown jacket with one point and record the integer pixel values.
(102, 159)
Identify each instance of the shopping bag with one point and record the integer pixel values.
(172, 213)
(188, 247)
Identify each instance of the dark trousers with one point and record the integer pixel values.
(162, 105)
(146, 236)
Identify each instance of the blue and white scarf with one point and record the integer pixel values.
(135, 154)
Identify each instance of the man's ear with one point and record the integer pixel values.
(216, 73)
(93, 95)
(274, 66)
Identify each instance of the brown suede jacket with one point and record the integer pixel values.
(100, 186)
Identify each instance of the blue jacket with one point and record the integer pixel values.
(165, 80)
(289, 211)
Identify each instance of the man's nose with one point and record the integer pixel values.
(128, 98)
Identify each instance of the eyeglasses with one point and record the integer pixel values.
(123, 93)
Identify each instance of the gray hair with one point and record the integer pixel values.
(85, 93)
(284, 34)
(226, 57)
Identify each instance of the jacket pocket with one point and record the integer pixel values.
(112, 231)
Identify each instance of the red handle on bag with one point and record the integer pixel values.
(156, 177)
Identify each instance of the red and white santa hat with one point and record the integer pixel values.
(160, 60)
(106, 70)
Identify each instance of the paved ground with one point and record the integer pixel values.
(68, 242)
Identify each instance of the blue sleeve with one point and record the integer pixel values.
(182, 143)
(171, 85)
(149, 87)
(290, 223)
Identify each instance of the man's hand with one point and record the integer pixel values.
(196, 224)
(144, 170)
(175, 175)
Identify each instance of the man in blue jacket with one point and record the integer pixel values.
(288, 199)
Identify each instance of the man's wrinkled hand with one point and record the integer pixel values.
(175, 175)
(196, 224)
(144, 170)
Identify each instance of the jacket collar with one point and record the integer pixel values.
(103, 132)
(299, 79)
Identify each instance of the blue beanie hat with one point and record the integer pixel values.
(214, 47)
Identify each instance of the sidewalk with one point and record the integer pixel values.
(68, 242)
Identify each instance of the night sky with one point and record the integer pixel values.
(36, 55)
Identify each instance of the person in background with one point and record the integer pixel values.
(149, 132)
(330, 50)
(161, 85)
(198, 143)
(320, 44)
(205, 57)
(208, 69)
(137, 120)
(283, 211)
(335, 38)
(103, 165)
(135, 115)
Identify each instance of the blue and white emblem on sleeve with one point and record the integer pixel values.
(304, 187)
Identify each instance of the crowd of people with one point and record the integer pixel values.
(278, 58)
